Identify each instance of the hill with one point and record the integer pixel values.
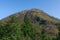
(33, 24)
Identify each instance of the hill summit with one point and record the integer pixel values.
(33, 24)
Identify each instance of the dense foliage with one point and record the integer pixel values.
(26, 31)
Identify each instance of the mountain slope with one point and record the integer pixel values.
(31, 24)
(39, 13)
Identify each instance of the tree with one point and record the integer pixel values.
(58, 37)
(27, 28)
(11, 30)
(14, 22)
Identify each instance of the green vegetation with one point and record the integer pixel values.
(31, 26)
(14, 31)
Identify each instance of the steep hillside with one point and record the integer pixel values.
(31, 24)
(35, 12)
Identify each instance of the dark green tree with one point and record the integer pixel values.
(58, 37)
(11, 30)
(27, 28)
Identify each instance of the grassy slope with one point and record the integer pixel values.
(36, 27)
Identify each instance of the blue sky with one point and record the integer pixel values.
(8, 7)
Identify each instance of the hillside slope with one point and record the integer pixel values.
(31, 24)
